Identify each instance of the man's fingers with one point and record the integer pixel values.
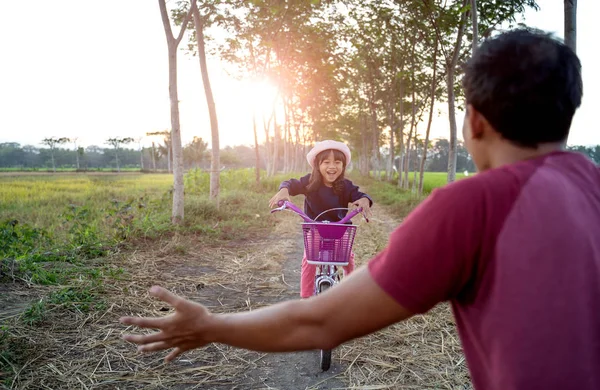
(145, 339)
(143, 322)
(174, 353)
(166, 296)
(153, 347)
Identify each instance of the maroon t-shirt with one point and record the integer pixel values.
(516, 250)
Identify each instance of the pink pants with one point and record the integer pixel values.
(307, 275)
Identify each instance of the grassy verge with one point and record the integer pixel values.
(401, 201)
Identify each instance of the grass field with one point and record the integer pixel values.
(66, 170)
(41, 200)
(49, 220)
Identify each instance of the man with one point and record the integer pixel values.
(515, 249)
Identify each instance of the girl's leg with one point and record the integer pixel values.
(307, 278)
(350, 267)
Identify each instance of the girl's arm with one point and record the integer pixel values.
(295, 186)
(355, 194)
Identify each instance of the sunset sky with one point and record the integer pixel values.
(95, 70)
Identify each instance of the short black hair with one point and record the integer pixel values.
(527, 85)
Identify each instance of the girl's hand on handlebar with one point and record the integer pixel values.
(366, 206)
(283, 194)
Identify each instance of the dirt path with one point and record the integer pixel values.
(297, 370)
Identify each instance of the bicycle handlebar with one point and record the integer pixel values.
(289, 205)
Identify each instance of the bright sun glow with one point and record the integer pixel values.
(262, 95)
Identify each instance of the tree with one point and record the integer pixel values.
(139, 142)
(74, 140)
(80, 154)
(172, 44)
(116, 144)
(475, 26)
(195, 152)
(163, 150)
(450, 25)
(431, 107)
(52, 142)
(212, 111)
(571, 24)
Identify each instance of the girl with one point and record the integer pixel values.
(325, 188)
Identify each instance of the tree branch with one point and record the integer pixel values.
(437, 30)
(461, 31)
(185, 22)
(165, 19)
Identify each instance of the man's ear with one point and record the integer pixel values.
(477, 122)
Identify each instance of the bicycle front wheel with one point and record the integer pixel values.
(325, 353)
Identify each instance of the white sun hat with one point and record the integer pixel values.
(326, 145)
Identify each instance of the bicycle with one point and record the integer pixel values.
(328, 246)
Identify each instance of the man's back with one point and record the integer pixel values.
(517, 251)
(535, 307)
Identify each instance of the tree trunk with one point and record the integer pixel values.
(375, 141)
(52, 158)
(76, 156)
(170, 155)
(451, 67)
(413, 186)
(256, 147)
(212, 111)
(391, 158)
(408, 152)
(453, 130)
(426, 143)
(268, 153)
(286, 131)
(172, 43)
(571, 24)
(475, 26)
(153, 157)
(117, 159)
(401, 135)
(141, 158)
(276, 139)
(413, 119)
(296, 165)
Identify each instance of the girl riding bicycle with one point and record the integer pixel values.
(324, 188)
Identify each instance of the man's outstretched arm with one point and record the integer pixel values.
(352, 309)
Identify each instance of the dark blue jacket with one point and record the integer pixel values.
(324, 198)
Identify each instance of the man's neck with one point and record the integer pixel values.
(506, 153)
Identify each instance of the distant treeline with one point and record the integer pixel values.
(196, 154)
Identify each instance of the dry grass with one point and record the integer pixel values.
(72, 349)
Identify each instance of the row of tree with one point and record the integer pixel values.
(159, 156)
(370, 73)
(196, 155)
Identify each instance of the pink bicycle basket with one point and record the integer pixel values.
(328, 242)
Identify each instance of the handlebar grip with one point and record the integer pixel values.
(351, 215)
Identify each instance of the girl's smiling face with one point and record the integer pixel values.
(331, 166)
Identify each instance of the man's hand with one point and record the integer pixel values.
(182, 330)
(283, 194)
(366, 206)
